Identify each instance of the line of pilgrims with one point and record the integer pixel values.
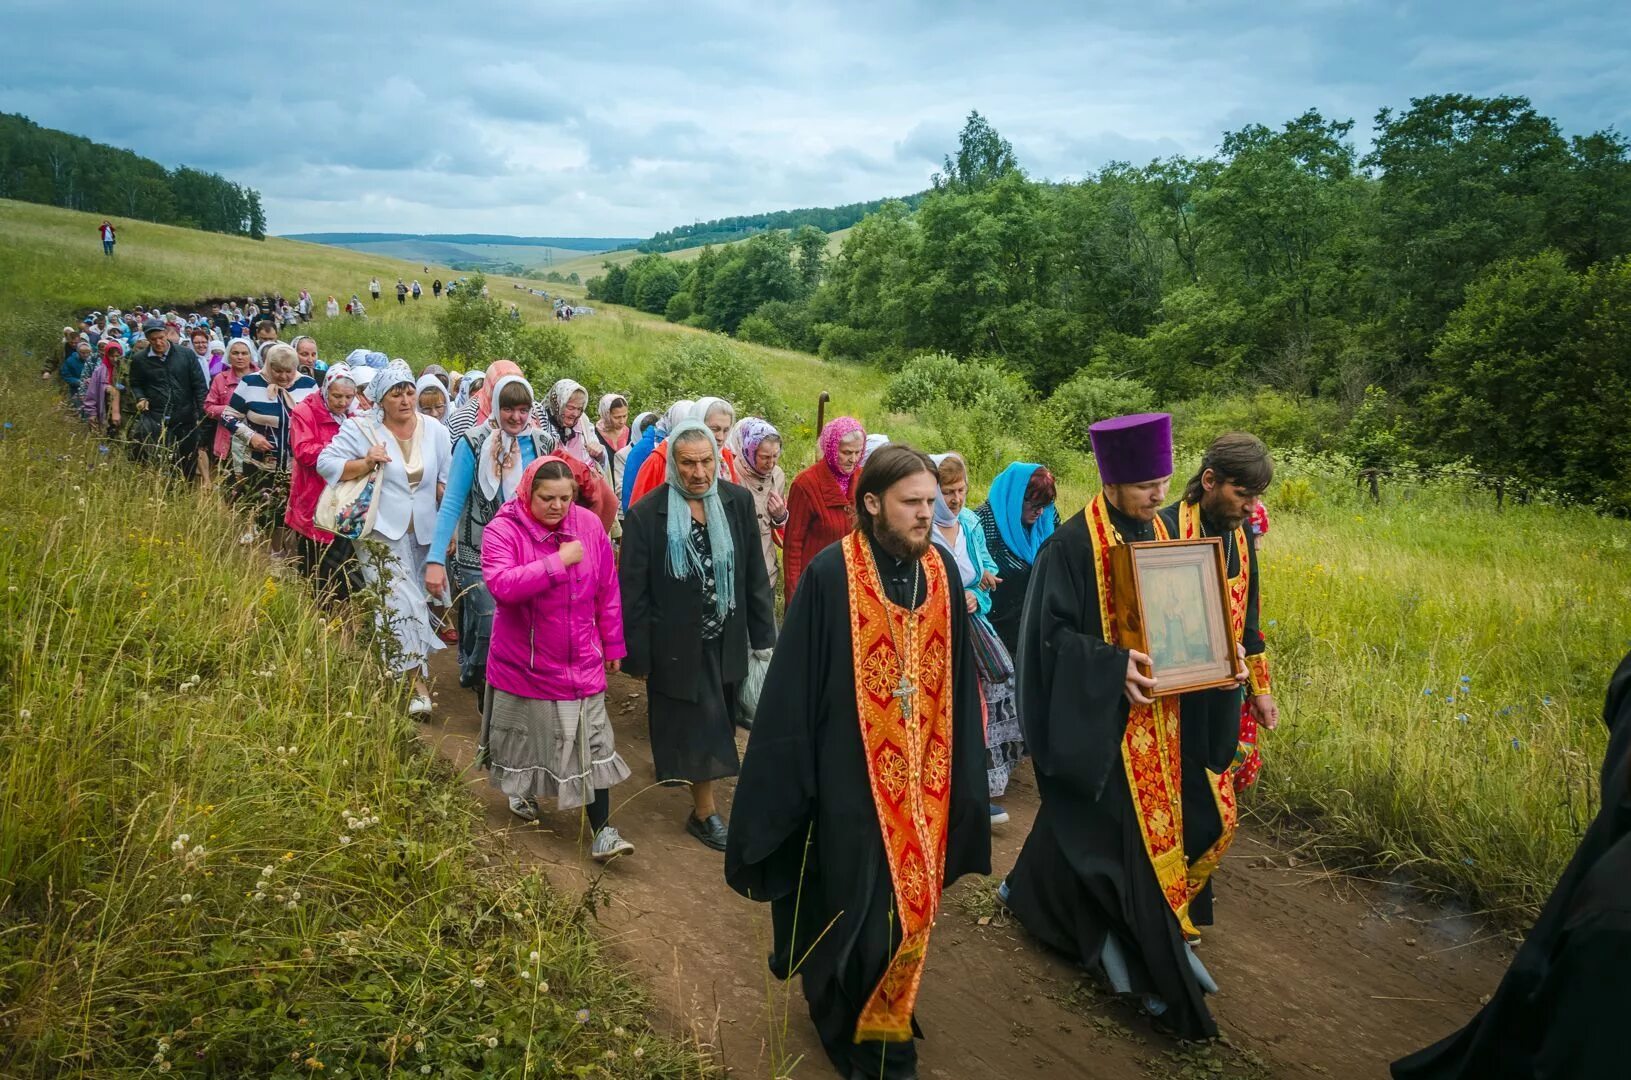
(927, 649)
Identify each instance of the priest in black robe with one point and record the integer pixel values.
(1084, 883)
(805, 833)
(1558, 1010)
(1217, 501)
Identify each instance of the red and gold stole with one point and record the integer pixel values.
(1223, 787)
(1150, 749)
(908, 760)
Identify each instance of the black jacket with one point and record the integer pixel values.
(662, 616)
(173, 387)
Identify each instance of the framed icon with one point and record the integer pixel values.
(1172, 605)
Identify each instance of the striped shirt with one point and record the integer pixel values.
(259, 408)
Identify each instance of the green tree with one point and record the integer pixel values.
(983, 157)
(810, 243)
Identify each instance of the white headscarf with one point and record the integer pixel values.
(396, 373)
(681, 410)
(586, 445)
(499, 470)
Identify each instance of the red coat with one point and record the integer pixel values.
(818, 514)
(311, 428)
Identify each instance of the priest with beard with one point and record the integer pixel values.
(1103, 877)
(863, 793)
(1219, 733)
(1558, 1010)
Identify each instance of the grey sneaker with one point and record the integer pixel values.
(525, 809)
(609, 845)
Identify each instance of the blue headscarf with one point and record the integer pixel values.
(1007, 500)
(682, 557)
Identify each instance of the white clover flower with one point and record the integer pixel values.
(345, 838)
(525, 974)
(164, 1045)
(283, 749)
(294, 749)
(290, 906)
(492, 1042)
(186, 898)
(532, 957)
(268, 871)
(543, 987)
(639, 1052)
(621, 1032)
(184, 838)
(197, 852)
(177, 846)
(295, 895)
(419, 1046)
(164, 1066)
(478, 982)
(425, 1069)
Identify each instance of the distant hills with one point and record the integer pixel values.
(828, 219)
(490, 253)
(573, 243)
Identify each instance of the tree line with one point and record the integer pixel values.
(728, 230)
(43, 165)
(1460, 293)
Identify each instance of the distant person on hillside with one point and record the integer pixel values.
(107, 233)
(373, 288)
(401, 292)
(304, 307)
(436, 289)
(332, 308)
(416, 289)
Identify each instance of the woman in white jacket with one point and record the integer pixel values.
(413, 454)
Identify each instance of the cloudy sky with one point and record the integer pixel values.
(617, 117)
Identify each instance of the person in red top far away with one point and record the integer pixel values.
(107, 232)
(819, 508)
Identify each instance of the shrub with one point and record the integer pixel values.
(791, 320)
(935, 377)
(1280, 420)
(1085, 399)
(679, 308)
(546, 354)
(760, 331)
(709, 365)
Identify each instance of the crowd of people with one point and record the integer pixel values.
(923, 651)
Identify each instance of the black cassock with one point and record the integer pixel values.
(1558, 1012)
(1083, 873)
(804, 778)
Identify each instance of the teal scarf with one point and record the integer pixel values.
(682, 557)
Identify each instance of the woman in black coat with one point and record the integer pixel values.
(696, 599)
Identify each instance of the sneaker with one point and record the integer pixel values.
(711, 832)
(419, 706)
(1002, 893)
(999, 816)
(525, 809)
(609, 845)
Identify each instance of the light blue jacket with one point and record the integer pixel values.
(978, 554)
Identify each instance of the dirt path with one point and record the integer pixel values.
(1321, 976)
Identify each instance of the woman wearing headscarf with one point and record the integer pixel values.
(719, 417)
(1558, 1010)
(643, 450)
(820, 510)
(1017, 517)
(488, 461)
(612, 427)
(643, 424)
(695, 601)
(761, 450)
(432, 396)
(258, 418)
(312, 426)
(957, 530)
(99, 400)
(412, 454)
(557, 634)
(479, 405)
(566, 420)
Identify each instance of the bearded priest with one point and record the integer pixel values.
(863, 793)
(1103, 876)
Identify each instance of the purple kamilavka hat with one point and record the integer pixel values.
(1133, 449)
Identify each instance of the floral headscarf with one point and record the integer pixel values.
(500, 463)
(837, 430)
(750, 433)
(397, 373)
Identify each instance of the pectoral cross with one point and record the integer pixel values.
(903, 694)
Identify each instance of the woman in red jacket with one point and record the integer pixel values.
(820, 510)
(312, 426)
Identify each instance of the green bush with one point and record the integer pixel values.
(680, 307)
(546, 354)
(935, 377)
(1085, 399)
(791, 320)
(1280, 420)
(701, 365)
(760, 331)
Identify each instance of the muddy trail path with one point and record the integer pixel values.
(1321, 975)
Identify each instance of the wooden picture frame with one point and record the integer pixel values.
(1172, 604)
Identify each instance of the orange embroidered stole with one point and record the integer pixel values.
(906, 734)
(1150, 748)
(1223, 787)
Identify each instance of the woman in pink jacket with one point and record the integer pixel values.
(240, 361)
(557, 633)
(312, 426)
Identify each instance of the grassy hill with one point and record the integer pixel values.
(1440, 667)
(223, 849)
(588, 266)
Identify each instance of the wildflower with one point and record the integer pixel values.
(164, 1066)
(295, 895)
(186, 898)
(1465, 679)
(419, 1046)
(290, 905)
(639, 1052)
(184, 838)
(1449, 699)
(492, 1042)
(1463, 717)
(345, 838)
(478, 982)
(268, 871)
(287, 855)
(532, 957)
(1427, 693)
(620, 1032)
(425, 1069)
(283, 749)
(543, 986)
(582, 1016)
(1547, 700)
(611, 1055)
(24, 714)
(525, 974)
(1515, 743)
(177, 846)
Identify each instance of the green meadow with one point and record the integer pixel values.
(1440, 666)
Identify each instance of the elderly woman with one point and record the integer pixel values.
(695, 601)
(258, 416)
(99, 397)
(240, 362)
(557, 634)
(1017, 517)
(645, 448)
(312, 426)
(412, 454)
(761, 450)
(643, 424)
(488, 461)
(432, 396)
(820, 510)
(957, 530)
(565, 419)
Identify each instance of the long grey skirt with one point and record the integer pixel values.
(560, 750)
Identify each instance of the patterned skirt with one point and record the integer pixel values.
(1004, 742)
(555, 750)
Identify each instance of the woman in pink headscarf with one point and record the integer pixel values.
(819, 508)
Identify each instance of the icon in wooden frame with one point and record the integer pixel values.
(1172, 605)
